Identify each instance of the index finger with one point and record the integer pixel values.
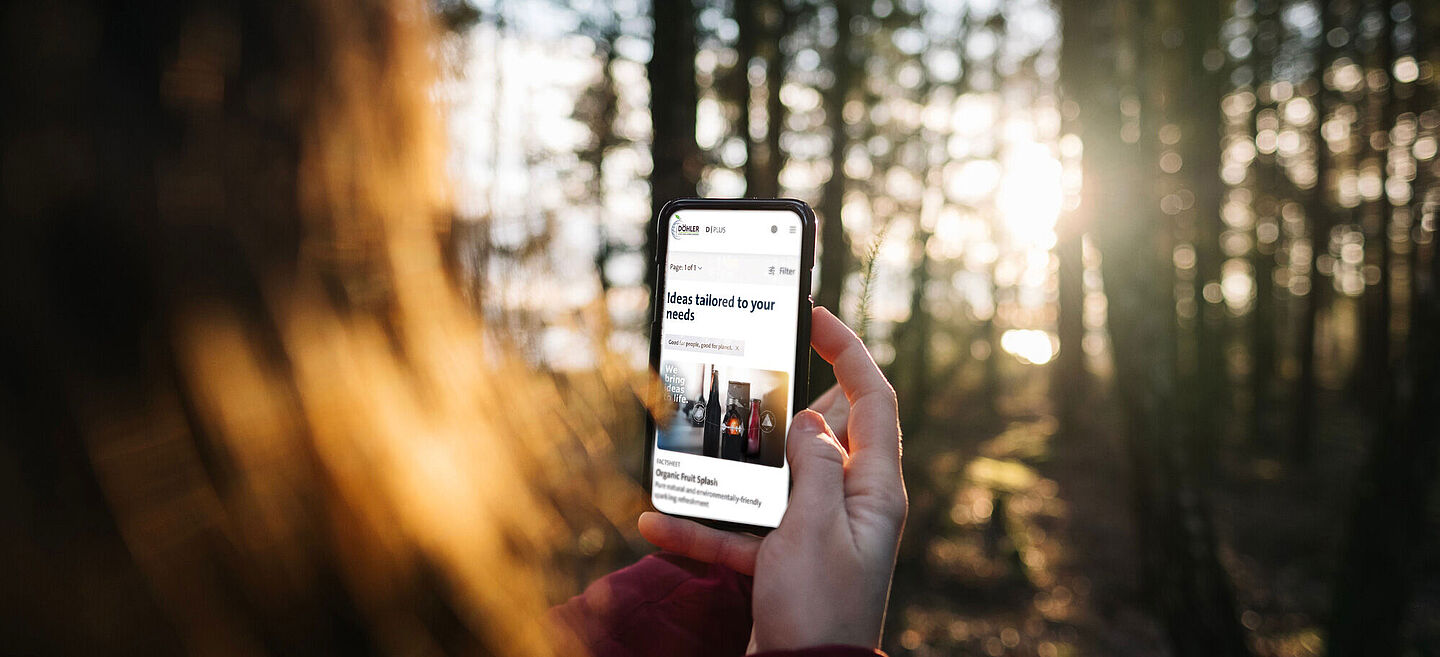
(855, 370)
(734, 551)
(873, 419)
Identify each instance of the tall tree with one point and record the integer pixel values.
(1078, 73)
(747, 40)
(1377, 574)
(598, 107)
(1376, 310)
(1199, 119)
(1180, 568)
(675, 157)
(1268, 200)
(835, 257)
(990, 386)
(1318, 216)
(912, 339)
(765, 181)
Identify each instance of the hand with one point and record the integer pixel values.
(823, 576)
(835, 408)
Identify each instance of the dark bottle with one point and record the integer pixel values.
(752, 433)
(732, 438)
(711, 445)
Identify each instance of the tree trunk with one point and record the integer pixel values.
(1387, 526)
(1201, 131)
(1262, 338)
(1376, 315)
(602, 126)
(1377, 568)
(1180, 568)
(1268, 199)
(674, 154)
(914, 335)
(990, 384)
(1317, 214)
(835, 257)
(740, 88)
(1068, 382)
(766, 183)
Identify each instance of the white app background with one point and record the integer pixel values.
(730, 303)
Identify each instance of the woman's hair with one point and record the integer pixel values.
(246, 409)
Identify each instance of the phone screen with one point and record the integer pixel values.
(728, 331)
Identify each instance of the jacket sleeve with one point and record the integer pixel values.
(824, 651)
(666, 604)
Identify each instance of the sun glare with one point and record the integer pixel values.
(1030, 195)
(1031, 346)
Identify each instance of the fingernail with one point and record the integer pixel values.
(808, 421)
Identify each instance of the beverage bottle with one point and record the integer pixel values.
(711, 445)
(732, 441)
(752, 433)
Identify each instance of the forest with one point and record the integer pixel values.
(1155, 282)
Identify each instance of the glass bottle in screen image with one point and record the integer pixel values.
(752, 433)
(732, 438)
(711, 445)
(695, 410)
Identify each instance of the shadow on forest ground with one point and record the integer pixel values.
(1020, 540)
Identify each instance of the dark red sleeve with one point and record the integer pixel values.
(824, 651)
(667, 604)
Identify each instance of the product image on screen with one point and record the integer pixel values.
(727, 326)
(733, 414)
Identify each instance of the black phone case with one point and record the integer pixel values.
(804, 303)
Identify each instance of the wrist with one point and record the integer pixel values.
(818, 636)
(830, 650)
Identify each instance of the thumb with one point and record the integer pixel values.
(817, 464)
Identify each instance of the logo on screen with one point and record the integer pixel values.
(677, 229)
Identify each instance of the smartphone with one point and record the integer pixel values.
(730, 341)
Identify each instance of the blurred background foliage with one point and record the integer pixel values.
(1155, 283)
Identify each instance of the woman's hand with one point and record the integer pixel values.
(823, 576)
(835, 408)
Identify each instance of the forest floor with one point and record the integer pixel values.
(1020, 539)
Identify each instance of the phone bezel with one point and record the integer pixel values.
(803, 305)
